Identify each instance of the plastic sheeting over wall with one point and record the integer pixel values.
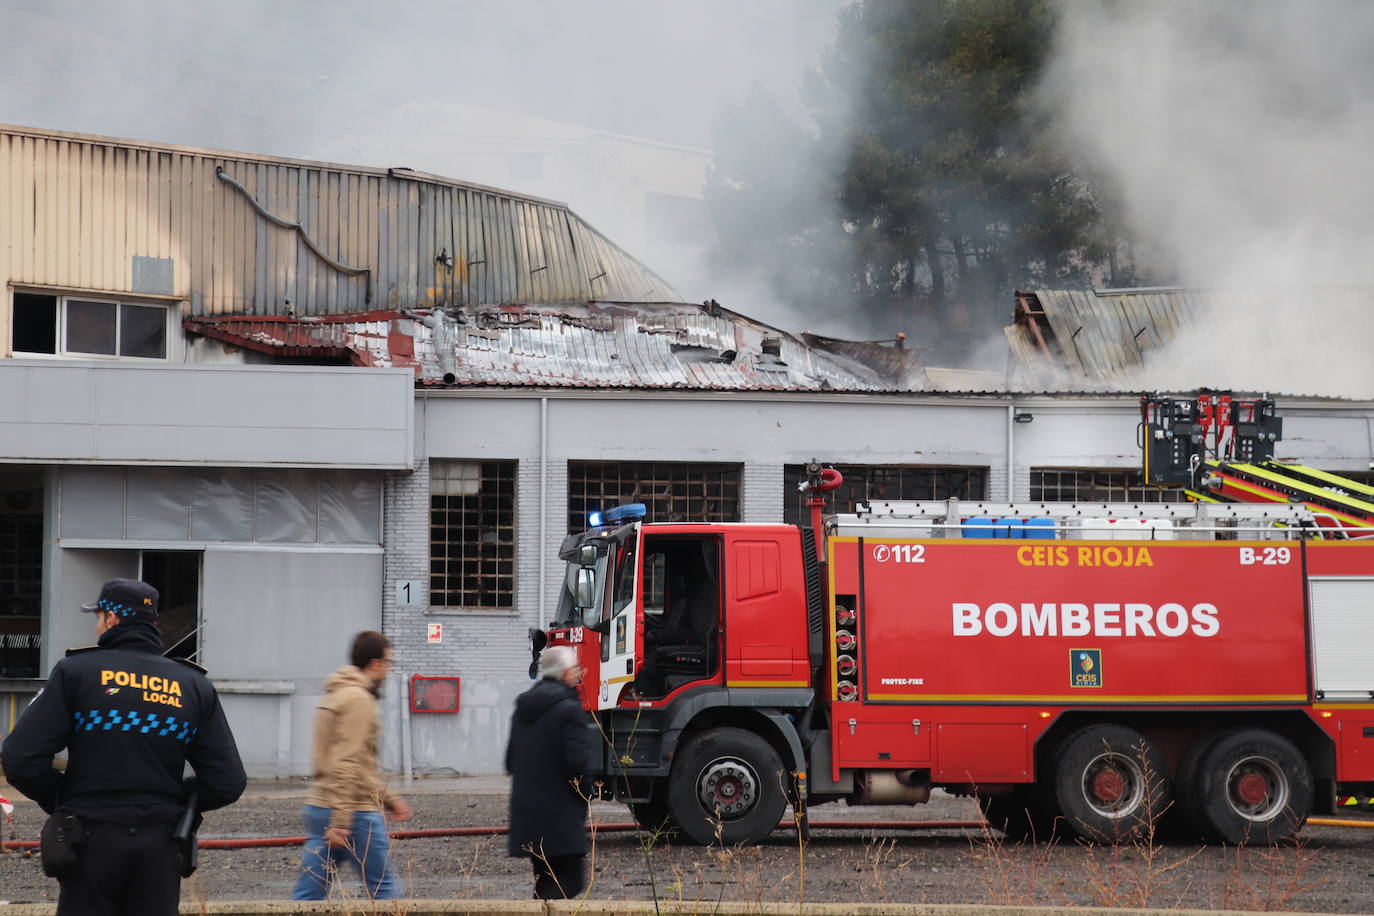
(195, 505)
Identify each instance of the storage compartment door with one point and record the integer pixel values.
(1342, 633)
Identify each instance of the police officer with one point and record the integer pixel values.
(130, 720)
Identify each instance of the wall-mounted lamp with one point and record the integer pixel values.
(1023, 416)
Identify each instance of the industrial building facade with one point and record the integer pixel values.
(307, 399)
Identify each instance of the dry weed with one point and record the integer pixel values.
(1020, 874)
(1265, 878)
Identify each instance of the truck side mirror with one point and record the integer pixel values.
(586, 555)
(585, 595)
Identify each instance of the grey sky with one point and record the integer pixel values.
(269, 77)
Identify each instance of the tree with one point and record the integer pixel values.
(943, 186)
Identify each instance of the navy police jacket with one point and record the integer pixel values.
(130, 720)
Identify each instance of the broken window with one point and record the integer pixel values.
(472, 534)
(672, 491)
(79, 326)
(884, 482)
(1097, 485)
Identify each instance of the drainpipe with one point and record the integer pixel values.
(437, 321)
(405, 727)
(543, 507)
(1011, 455)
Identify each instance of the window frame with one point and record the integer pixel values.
(845, 499)
(1130, 479)
(601, 484)
(169, 305)
(440, 565)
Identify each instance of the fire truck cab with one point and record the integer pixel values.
(1080, 669)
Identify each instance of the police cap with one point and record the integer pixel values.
(125, 598)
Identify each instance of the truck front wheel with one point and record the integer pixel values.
(1111, 784)
(1250, 786)
(652, 815)
(727, 787)
(1022, 814)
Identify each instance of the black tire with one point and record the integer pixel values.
(1182, 822)
(1022, 814)
(1250, 786)
(653, 816)
(726, 786)
(1111, 784)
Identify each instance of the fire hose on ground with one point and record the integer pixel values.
(267, 842)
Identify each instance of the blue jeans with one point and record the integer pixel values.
(367, 850)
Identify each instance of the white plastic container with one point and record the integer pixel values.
(1161, 529)
(1130, 529)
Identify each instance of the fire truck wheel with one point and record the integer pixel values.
(1251, 786)
(726, 786)
(1111, 784)
(653, 815)
(1022, 814)
(1183, 821)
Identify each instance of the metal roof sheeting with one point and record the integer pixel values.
(81, 208)
(597, 345)
(1101, 335)
(1239, 339)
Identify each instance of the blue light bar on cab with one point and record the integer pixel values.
(594, 519)
(630, 512)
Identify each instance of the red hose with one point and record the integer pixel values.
(267, 842)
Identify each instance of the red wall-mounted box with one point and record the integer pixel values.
(434, 693)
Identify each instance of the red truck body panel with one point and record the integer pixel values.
(765, 608)
(969, 649)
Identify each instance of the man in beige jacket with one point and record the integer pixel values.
(345, 809)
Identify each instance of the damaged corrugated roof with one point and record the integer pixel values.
(1097, 336)
(595, 344)
(1183, 339)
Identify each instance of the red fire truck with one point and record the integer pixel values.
(1080, 669)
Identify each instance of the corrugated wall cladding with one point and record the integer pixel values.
(76, 210)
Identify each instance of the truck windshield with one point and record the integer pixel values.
(568, 613)
(614, 549)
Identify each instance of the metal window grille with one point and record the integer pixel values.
(21, 580)
(874, 482)
(472, 534)
(672, 491)
(1097, 485)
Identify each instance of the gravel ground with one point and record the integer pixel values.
(1331, 871)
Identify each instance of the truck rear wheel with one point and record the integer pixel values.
(727, 786)
(1181, 821)
(1111, 783)
(1250, 786)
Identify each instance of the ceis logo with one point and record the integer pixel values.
(1085, 667)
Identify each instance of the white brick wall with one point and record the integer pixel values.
(997, 482)
(489, 650)
(762, 497)
(477, 644)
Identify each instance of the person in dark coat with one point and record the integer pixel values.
(550, 750)
(130, 720)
